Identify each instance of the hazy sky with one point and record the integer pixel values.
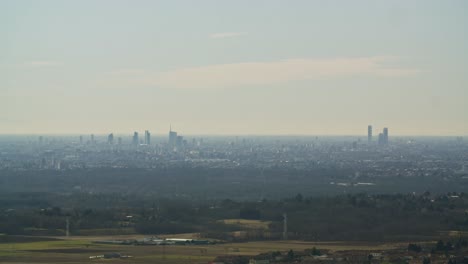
(234, 67)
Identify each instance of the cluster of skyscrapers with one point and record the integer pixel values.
(136, 139)
(178, 141)
(383, 137)
(174, 139)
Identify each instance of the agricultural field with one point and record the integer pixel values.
(79, 249)
(248, 223)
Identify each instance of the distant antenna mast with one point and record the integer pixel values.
(263, 184)
(67, 232)
(285, 226)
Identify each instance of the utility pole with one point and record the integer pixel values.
(285, 226)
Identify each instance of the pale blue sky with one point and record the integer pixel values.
(234, 67)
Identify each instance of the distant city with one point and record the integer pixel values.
(354, 160)
(178, 141)
(292, 187)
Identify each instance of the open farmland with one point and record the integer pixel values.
(78, 250)
(247, 223)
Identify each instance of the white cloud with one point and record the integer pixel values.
(44, 63)
(265, 73)
(227, 35)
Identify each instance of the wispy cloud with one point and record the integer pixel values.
(221, 76)
(227, 35)
(42, 63)
(126, 71)
(264, 73)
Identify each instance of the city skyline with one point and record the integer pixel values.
(234, 68)
(161, 133)
(381, 138)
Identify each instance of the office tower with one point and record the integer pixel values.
(172, 137)
(92, 138)
(369, 133)
(179, 141)
(135, 139)
(110, 139)
(147, 137)
(381, 139)
(81, 139)
(385, 135)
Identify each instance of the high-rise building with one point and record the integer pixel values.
(172, 137)
(110, 139)
(179, 141)
(385, 135)
(135, 139)
(369, 133)
(381, 139)
(81, 139)
(147, 137)
(92, 138)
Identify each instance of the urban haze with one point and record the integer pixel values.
(234, 132)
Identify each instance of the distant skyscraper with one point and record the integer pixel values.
(81, 139)
(172, 137)
(381, 139)
(110, 139)
(385, 135)
(147, 137)
(41, 139)
(92, 138)
(369, 133)
(179, 141)
(135, 139)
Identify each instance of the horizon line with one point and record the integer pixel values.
(234, 135)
